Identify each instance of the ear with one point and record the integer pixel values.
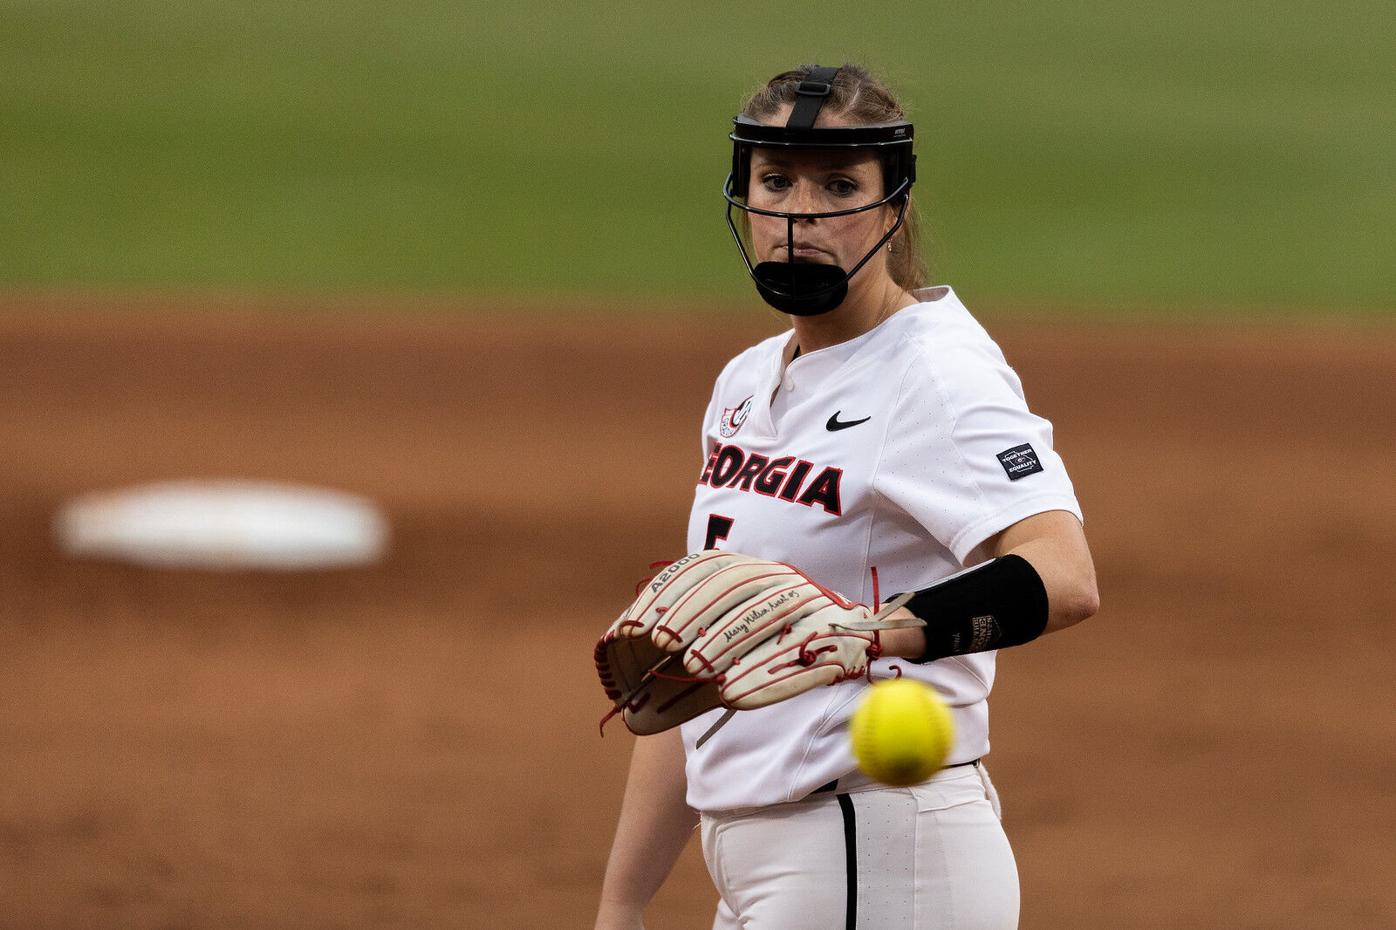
(889, 217)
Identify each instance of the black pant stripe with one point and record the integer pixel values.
(850, 852)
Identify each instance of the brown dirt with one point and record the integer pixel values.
(415, 745)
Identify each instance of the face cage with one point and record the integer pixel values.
(790, 218)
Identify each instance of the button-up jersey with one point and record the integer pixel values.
(902, 449)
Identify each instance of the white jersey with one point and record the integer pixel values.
(902, 449)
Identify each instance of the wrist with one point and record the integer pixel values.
(613, 908)
(905, 643)
(994, 605)
(611, 916)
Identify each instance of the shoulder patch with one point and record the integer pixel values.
(733, 418)
(1019, 462)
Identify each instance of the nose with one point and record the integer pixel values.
(806, 199)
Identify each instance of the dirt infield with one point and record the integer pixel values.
(415, 745)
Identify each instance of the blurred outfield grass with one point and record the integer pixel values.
(1165, 154)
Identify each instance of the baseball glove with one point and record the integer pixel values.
(721, 629)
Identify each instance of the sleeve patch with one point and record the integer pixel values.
(1019, 462)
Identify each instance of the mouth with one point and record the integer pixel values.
(803, 252)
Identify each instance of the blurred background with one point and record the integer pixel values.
(1231, 154)
(466, 262)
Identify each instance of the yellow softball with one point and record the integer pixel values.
(901, 732)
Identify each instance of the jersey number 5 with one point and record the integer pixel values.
(718, 528)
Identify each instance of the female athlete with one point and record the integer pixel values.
(883, 431)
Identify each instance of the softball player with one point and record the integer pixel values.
(884, 430)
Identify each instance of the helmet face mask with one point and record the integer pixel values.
(808, 288)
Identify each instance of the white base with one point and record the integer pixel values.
(224, 525)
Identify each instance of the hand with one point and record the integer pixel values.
(750, 632)
(639, 658)
(793, 636)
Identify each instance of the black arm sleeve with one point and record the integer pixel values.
(991, 606)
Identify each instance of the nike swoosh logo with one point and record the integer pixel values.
(835, 424)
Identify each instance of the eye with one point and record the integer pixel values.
(775, 182)
(842, 187)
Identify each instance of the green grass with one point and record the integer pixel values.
(1167, 154)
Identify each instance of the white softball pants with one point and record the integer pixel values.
(867, 856)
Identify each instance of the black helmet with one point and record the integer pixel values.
(806, 288)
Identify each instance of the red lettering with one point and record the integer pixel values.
(792, 483)
(824, 491)
(772, 475)
(729, 462)
(729, 466)
(708, 468)
(750, 470)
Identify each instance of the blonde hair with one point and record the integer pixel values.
(861, 99)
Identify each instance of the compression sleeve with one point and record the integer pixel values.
(1000, 603)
